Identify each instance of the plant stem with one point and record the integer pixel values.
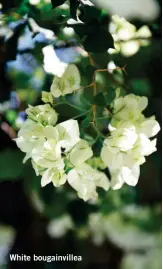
(82, 114)
(75, 107)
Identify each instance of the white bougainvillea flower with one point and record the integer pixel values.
(126, 175)
(122, 28)
(128, 144)
(149, 126)
(29, 136)
(59, 227)
(85, 180)
(49, 155)
(129, 48)
(54, 175)
(80, 153)
(43, 114)
(127, 39)
(47, 97)
(68, 83)
(69, 134)
(129, 107)
(123, 137)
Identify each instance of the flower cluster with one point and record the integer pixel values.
(125, 149)
(127, 39)
(58, 153)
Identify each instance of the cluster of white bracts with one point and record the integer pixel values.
(128, 144)
(58, 153)
(127, 39)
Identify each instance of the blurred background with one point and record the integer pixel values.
(121, 231)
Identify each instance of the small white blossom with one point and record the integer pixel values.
(123, 137)
(58, 227)
(68, 83)
(85, 180)
(54, 175)
(127, 39)
(49, 155)
(30, 136)
(47, 97)
(43, 114)
(129, 107)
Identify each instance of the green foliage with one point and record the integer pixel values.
(11, 165)
(100, 99)
(105, 98)
(93, 30)
(11, 116)
(140, 86)
(86, 122)
(99, 40)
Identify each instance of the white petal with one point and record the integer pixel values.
(103, 181)
(80, 153)
(150, 127)
(130, 176)
(46, 179)
(69, 133)
(72, 72)
(143, 102)
(112, 159)
(116, 180)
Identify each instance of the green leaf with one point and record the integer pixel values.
(99, 40)
(11, 165)
(100, 99)
(110, 95)
(65, 111)
(56, 3)
(140, 86)
(87, 95)
(89, 13)
(86, 122)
